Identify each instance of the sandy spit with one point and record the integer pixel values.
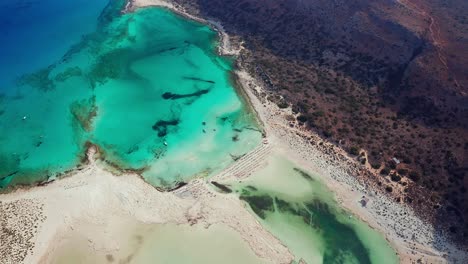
(95, 197)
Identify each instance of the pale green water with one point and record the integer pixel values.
(297, 208)
(147, 87)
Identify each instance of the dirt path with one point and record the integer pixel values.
(434, 33)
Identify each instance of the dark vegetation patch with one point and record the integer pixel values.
(354, 150)
(222, 187)
(68, 73)
(84, 112)
(285, 207)
(177, 186)
(395, 177)
(260, 204)
(385, 171)
(302, 118)
(162, 126)
(340, 238)
(39, 79)
(167, 50)
(196, 79)
(110, 65)
(173, 96)
(252, 188)
(304, 174)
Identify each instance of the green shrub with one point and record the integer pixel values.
(282, 104)
(402, 171)
(395, 177)
(354, 150)
(302, 118)
(385, 171)
(414, 176)
(328, 133)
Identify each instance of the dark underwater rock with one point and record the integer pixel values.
(173, 96)
(162, 125)
(222, 187)
(197, 79)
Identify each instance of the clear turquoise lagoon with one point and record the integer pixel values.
(147, 87)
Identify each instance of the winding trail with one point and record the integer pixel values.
(434, 33)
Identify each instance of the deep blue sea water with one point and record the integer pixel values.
(35, 33)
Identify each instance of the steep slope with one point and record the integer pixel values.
(386, 80)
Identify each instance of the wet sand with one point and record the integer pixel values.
(160, 243)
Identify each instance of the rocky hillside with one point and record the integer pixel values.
(386, 80)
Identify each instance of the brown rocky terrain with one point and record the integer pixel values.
(385, 80)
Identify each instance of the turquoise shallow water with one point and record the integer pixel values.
(150, 91)
(34, 36)
(155, 97)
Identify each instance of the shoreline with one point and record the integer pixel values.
(348, 193)
(94, 198)
(195, 203)
(348, 190)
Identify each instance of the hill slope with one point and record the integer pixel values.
(384, 78)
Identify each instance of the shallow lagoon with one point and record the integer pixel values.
(301, 211)
(155, 97)
(162, 243)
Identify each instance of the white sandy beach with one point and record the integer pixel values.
(95, 205)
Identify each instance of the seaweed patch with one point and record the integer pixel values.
(197, 79)
(162, 126)
(304, 174)
(284, 206)
(338, 247)
(250, 187)
(222, 187)
(68, 73)
(260, 204)
(39, 79)
(173, 96)
(84, 111)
